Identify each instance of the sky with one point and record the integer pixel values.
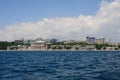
(62, 19)
(15, 11)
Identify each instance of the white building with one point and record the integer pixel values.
(37, 45)
(112, 48)
(18, 48)
(100, 41)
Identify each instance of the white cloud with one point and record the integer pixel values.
(104, 24)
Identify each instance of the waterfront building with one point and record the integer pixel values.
(18, 47)
(90, 47)
(37, 45)
(112, 48)
(87, 47)
(11, 48)
(90, 40)
(113, 44)
(100, 41)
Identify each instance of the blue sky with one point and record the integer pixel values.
(62, 19)
(15, 11)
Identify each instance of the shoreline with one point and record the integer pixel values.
(54, 50)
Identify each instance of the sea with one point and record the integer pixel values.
(59, 65)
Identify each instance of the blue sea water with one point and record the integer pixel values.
(59, 65)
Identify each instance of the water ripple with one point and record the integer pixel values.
(69, 65)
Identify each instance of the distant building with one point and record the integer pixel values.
(69, 41)
(112, 48)
(90, 40)
(37, 45)
(34, 46)
(27, 41)
(20, 41)
(17, 47)
(39, 39)
(53, 41)
(86, 47)
(100, 41)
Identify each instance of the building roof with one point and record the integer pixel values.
(40, 41)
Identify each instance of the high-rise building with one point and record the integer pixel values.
(90, 40)
(100, 41)
(53, 41)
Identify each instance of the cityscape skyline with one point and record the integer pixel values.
(60, 19)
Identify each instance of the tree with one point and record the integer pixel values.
(68, 47)
(119, 46)
(60, 47)
(76, 48)
(100, 46)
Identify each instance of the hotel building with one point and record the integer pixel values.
(100, 41)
